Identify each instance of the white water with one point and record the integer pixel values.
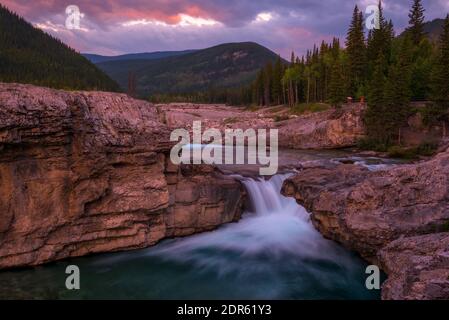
(273, 252)
(278, 228)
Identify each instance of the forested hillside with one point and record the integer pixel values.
(388, 72)
(28, 55)
(228, 65)
(96, 58)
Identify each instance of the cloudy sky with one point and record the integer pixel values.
(123, 26)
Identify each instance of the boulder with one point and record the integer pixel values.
(368, 210)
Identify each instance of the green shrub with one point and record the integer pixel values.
(445, 227)
(309, 108)
(230, 120)
(278, 118)
(372, 145)
(426, 148)
(401, 152)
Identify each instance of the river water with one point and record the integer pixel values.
(274, 252)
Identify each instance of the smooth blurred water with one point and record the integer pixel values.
(272, 253)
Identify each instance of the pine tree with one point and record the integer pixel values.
(29, 55)
(375, 115)
(379, 42)
(337, 84)
(439, 109)
(276, 83)
(416, 22)
(355, 48)
(267, 77)
(258, 89)
(397, 94)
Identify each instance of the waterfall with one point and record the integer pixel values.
(277, 227)
(265, 195)
(273, 252)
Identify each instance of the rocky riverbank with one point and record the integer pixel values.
(87, 172)
(329, 129)
(397, 217)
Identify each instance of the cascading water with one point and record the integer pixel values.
(272, 253)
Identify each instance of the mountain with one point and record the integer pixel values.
(29, 55)
(96, 58)
(433, 29)
(224, 66)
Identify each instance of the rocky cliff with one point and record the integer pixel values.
(324, 130)
(321, 130)
(87, 172)
(397, 217)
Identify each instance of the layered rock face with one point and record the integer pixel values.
(391, 217)
(322, 130)
(418, 267)
(87, 172)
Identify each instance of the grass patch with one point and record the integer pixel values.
(445, 227)
(372, 145)
(309, 108)
(438, 228)
(401, 152)
(279, 118)
(277, 109)
(425, 149)
(253, 108)
(230, 120)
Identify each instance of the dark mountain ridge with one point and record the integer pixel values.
(227, 65)
(29, 55)
(96, 58)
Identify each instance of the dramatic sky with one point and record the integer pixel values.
(123, 26)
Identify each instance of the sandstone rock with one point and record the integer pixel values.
(322, 130)
(366, 211)
(418, 268)
(87, 172)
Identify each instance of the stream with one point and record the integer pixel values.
(273, 252)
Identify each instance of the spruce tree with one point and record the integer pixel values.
(416, 22)
(355, 48)
(379, 42)
(375, 116)
(397, 94)
(267, 79)
(336, 85)
(439, 109)
(276, 90)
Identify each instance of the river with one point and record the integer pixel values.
(273, 252)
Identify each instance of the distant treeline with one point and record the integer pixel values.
(230, 96)
(388, 71)
(29, 55)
